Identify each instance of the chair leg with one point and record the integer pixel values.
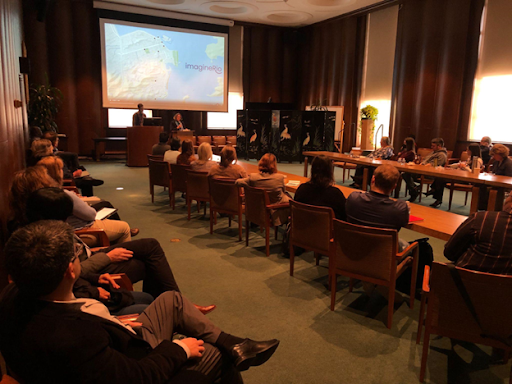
(350, 284)
(240, 227)
(292, 258)
(333, 290)
(451, 197)
(189, 203)
(247, 229)
(198, 206)
(421, 190)
(275, 232)
(229, 225)
(414, 276)
(421, 319)
(426, 344)
(317, 258)
(212, 213)
(267, 240)
(344, 175)
(391, 305)
(205, 208)
(152, 191)
(466, 199)
(173, 200)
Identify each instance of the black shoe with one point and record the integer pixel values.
(91, 181)
(414, 195)
(429, 193)
(250, 353)
(436, 204)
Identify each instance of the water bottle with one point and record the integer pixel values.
(474, 166)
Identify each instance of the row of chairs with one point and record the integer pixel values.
(223, 196)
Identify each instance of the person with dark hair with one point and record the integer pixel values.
(273, 183)
(320, 189)
(228, 168)
(408, 150)
(500, 165)
(187, 153)
(49, 335)
(376, 208)
(437, 157)
(138, 117)
(385, 152)
(171, 156)
(162, 146)
(485, 148)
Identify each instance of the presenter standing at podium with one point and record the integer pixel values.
(138, 117)
(177, 123)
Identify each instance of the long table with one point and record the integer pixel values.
(498, 183)
(439, 224)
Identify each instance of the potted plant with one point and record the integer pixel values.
(368, 117)
(44, 103)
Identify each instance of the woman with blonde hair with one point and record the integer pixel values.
(228, 168)
(84, 216)
(38, 150)
(273, 183)
(204, 162)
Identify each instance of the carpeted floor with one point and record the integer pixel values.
(257, 298)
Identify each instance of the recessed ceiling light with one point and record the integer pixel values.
(119, 188)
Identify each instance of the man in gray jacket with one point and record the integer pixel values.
(437, 158)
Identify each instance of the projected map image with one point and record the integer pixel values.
(144, 64)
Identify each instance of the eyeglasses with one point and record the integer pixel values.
(78, 249)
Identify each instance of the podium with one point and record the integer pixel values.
(140, 141)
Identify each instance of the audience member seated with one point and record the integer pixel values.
(320, 190)
(385, 152)
(484, 242)
(84, 216)
(48, 335)
(39, 149)
(204, 162)
(187, 153)
(273, 183)
(227, 168)
(171, 155)
(437, 188)
(485, 147)
(376, 208)
(408, 151)
(501, 165)
(439, 156)
(162, 146)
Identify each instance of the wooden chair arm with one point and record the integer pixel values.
(122, 280)
(407, 250)
(128, 318)
(452, 160)
(99, 233)
(426, 279)
(278, 206)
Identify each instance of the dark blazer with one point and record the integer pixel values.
(46, 342)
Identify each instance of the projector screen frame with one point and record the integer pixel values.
(153, 23)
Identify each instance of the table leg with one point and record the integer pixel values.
(475, 194)
(496, 197)
(364, 184)
(305, 166)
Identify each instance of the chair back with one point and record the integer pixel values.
(256, 201)
(219, 140)
(204, 139)
(159, 172)
(489, 294)
(197, 185)
(155, 157)
(449, 155)
(311, 226)
(424, 152)
(231, 140)
(179, 177)
(365, 251)
(356, 152)
(224, 195)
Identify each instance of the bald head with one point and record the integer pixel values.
(385, 179)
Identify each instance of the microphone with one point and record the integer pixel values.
(269, 99)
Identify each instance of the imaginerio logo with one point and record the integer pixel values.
(201, 68)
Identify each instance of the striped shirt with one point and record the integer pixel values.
(483, 243)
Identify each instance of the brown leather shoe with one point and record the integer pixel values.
(205, 310)
(134, 231)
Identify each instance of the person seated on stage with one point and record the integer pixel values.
(485, 148)
(177, 123)
(385, 152)
(439, 156)
(187, 153)
(437, 187)
(484, 242)
(138, 117)
(48, 335)
(404, 145)
(72, 168)
(162, 146)
(500, 165)
(408, 151)
(227, 168)
(376, 208)
(171, 156)
(273, 183)
(84, 216)
(204, 162)
(320, 189)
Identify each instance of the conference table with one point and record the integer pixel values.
(498, 184)
(435, 223)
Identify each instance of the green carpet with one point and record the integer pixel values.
(257, 298)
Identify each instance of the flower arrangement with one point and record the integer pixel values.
(369, 113)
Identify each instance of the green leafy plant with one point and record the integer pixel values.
(369, 113)
(43, 106)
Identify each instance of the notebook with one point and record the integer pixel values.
(105, 213)
(293, 183)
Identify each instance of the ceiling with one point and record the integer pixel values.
(285, 13)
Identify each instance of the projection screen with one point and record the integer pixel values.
(163, 67)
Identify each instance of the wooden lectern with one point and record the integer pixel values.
(140, 141)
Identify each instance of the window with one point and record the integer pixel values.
(226, 120)
(122, 118)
